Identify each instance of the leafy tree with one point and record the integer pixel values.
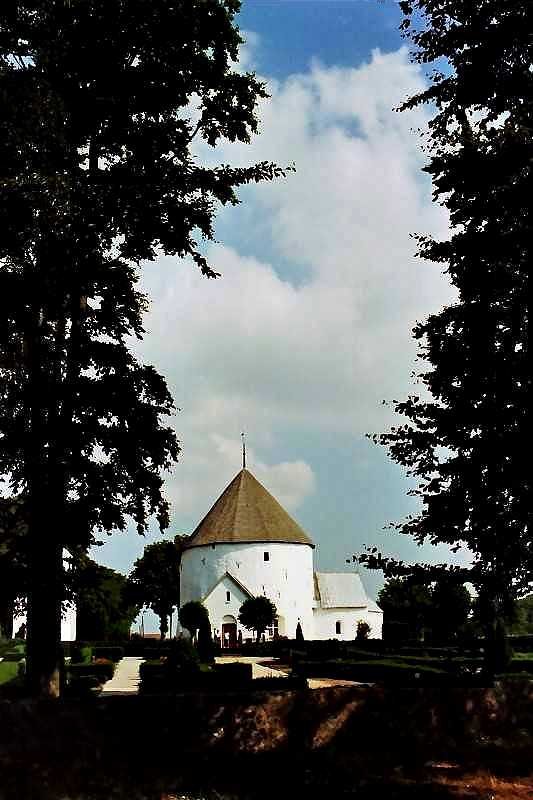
(257, 614)
(103, 609)
(406, 603)
(100, 101)
(205, 642)
(193, 616)
(463, 435)
(451, 605)
(13, 561)
(363, 630)
(299, 633)
(523, 622)
(154, 581)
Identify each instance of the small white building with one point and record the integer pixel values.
(247, 545)
(68, 615)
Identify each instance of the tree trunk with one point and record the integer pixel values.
(6, 620)
(163, 626)
(43, 653)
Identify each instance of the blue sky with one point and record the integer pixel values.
(309, 327)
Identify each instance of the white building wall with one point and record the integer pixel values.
(68, 623)
(325, 620)
(220, 608)
(286, 578)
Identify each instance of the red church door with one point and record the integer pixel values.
(229, 634)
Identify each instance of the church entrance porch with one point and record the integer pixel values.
(229, 632)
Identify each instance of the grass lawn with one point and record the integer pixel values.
(8, 671)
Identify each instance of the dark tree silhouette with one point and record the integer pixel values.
(194, 616)
(154, 581)
(257, 614)
(104, 611)
(463, 436)
(405, 604)
(13, 561)
(100, 101)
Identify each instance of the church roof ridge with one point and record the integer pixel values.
(247, 512)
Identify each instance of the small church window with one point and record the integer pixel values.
(213, 546)
(228, 597)
(338, 626)
(266, 556)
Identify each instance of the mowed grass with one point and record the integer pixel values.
(8, 671)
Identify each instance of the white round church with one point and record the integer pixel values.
(247, 545)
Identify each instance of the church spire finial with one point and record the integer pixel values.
(243, 450)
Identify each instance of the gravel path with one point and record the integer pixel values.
(126, 678)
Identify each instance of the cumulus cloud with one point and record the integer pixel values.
(309, 327)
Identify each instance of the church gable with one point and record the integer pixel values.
(227, 591)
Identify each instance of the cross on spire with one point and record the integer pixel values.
(243, 450)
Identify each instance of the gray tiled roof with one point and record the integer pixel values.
(342, 590)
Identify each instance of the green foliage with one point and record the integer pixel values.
(103, 671)
(81, 653)
(462, 437)
(164, 677)
(363, 630)
(439, 610)
(8, 671)
(98, 175)
(405, 602)
(206, 650)
(257, 614)
(523, 620)
(193, 616)
(114, 654)
(104, 611)
(154, 580)
(183, 655)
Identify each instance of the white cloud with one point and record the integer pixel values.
(260, 351)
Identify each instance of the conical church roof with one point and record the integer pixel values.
(247, 512)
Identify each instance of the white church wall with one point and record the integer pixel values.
(327, 619)
(286, 577)
(220, 607)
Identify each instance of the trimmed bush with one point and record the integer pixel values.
(288, 684)
(80, 653)
(8, 671)
(157, 676)
(13, 656)
(389, 672)
(112, 652)
(83, 686)
(520, 665)
(103, 671)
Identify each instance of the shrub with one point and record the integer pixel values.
(233, 674)
(104, 671)
(8, 671)
(387, 671)
(363, 630)
(83, 686)
(183, 655)
(113, 653)
(13, 656)
(157, 676)
(80, 653)
(288, 684)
